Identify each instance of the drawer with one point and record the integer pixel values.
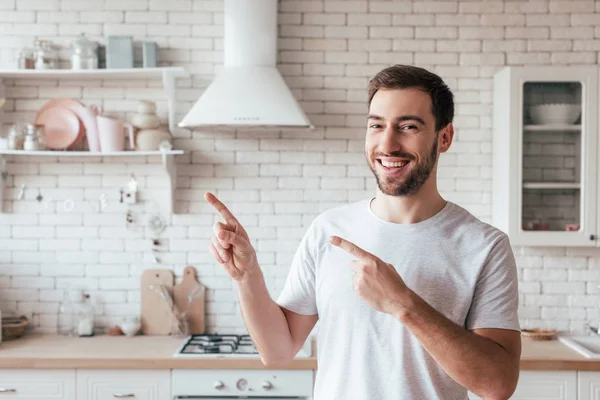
(123, 384)
(37, 384)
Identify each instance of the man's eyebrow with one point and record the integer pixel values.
(400, 118)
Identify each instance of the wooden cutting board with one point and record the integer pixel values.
(156, 317)
(195, 313)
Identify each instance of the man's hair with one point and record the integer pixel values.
(407, 76)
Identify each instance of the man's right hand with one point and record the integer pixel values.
(230, 244)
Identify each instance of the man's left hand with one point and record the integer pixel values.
(375, 281)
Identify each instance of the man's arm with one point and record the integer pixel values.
(485, 361)
(277, 332)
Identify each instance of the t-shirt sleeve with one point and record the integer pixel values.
(298, 293)
(496, 298)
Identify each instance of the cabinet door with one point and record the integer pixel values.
(123, 384)
(26, 384)
(545, 155)
(588, 385)
(544, 385)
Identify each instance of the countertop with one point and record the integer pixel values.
(117, 352)
(156, 352)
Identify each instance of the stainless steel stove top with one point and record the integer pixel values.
(216, 345)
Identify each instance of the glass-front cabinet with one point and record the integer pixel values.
(545, 150)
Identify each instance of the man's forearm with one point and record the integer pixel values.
(477, 363)
(265, 321)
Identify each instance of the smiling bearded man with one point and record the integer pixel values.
(415, 297)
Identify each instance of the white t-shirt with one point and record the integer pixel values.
(462, 267)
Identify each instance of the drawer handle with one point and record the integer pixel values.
(3, 390)
(124, 396)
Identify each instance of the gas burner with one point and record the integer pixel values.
(218, 345)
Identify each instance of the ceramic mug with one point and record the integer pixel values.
(112, 134)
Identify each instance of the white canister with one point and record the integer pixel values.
(84, 53)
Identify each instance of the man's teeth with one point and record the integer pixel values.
(393, 164)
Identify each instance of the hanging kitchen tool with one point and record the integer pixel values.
(190, 295)
(156, 316)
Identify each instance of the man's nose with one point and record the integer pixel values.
(389, 140)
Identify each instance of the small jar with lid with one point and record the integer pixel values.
(27, 58)
(15, 138)
(46, 56)
(32, 137)
(84, 53)
(85, 317)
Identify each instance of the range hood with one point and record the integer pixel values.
(249, 91)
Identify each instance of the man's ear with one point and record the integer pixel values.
(445, 138)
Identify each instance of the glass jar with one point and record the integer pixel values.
(27, 58)
(66, 318)
(46, 56)
(33, 134)
(15, 138)
(84, 53)
(85, 317)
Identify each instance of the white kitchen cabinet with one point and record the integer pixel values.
(545, 155)
(123, 384)
(588, 385)
(544, 385)
(25, 384)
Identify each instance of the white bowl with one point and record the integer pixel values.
(130, 327)
(555, 113)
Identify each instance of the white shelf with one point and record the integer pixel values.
(167, 74)
(551, 185)
(167, 158)
(552, 128)
(88, 153)
(121, 73)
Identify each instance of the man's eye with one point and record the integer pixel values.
(408, 127)
(375, 126)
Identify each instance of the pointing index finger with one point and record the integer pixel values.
(220, 207)
(352, 248)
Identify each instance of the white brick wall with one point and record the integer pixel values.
(276, 182)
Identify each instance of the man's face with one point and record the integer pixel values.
(401, 144)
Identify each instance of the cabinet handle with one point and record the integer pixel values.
(593, 237)
(124, 396)
(3, 390)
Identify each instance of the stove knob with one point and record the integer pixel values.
(242, 384)
(219, 385)
(266, 385)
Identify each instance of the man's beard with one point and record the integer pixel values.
(415, 179)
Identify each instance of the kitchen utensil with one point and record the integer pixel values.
(156, 317)
(2, 102)
(149, 52)
(555, 113)
(46, 56)
(13, 327)
(84, 53)
(119, 51)
(87, 116)
(130, 326)
(112, 134)
(189, 287)
(150, 139)
(16, 137)
(35, 137)
(61, 127)
(145, 117)
(27, 58)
